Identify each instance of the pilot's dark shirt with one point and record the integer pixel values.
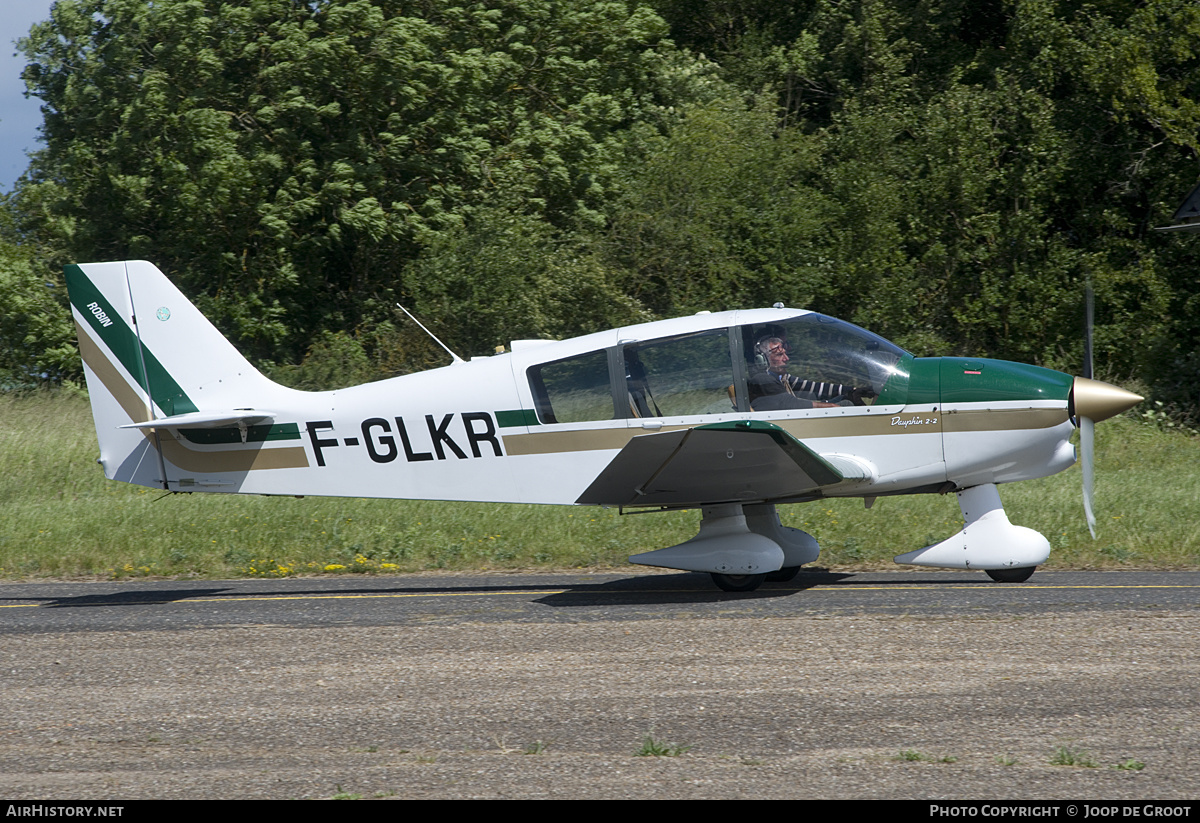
(770, 391)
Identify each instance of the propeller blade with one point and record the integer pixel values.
(1087, 456)
(1089, 323)
(1087, 426)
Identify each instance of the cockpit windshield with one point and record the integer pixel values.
(815, 360)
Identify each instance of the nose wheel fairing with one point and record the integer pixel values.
(987, 540)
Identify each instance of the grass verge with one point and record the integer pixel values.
(59, 517)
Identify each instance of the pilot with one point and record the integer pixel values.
(776, 389)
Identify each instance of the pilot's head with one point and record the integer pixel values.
(774, 349)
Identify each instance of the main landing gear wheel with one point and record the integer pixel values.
(738, 582)
(1017, 575)
(783, 575)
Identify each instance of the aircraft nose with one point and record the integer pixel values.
(1099, 401)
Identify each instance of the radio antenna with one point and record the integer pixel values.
(457, 359)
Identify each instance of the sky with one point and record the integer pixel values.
(20, 117)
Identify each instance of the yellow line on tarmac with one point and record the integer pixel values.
(984, 587)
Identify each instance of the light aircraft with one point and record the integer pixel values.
(732, 413)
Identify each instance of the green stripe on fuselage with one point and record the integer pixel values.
(516, 417)
(254, 434)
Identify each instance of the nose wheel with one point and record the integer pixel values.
(783, 575)
(1017, 575)
(738, 582)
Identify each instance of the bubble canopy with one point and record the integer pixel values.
(801, 361)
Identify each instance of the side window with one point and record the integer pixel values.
(685, 375)
(573, 390)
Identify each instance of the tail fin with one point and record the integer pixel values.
(151, 357)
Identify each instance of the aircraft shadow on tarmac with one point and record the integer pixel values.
(684, 587)
(693, 587)
(139, 597)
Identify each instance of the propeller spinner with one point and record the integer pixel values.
(1091, 402)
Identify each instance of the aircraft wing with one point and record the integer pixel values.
(744, 460)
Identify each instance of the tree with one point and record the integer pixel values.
(36, 337)
(722, 212)
(284, 160)
(980, 162)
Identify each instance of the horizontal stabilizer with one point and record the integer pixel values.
(206, 420)
(741, 461)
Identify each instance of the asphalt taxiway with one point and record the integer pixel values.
(875, 685)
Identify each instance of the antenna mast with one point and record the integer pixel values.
(457, 359)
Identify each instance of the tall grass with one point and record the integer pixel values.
(59, 517)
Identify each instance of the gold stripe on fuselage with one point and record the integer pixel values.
(577, 440)
(982, 420)
(813, 428)
(231, 460)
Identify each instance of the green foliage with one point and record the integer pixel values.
(37, 346)
(659, 748)
(503, 276)
(335, 360)
(721, 212)
(284, 160)
(915, 756)
(1070, 755)
(948, 174)
(984, 161)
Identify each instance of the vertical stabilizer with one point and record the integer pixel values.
(149, 354)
